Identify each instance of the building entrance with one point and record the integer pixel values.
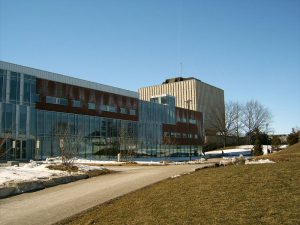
(12, 149)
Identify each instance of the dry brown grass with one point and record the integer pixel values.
(91, 173)
(243, 194)
(63, 168)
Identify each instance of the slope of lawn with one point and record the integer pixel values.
(243, 194)
(289, 154)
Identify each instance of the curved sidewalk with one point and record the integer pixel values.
(54, 204)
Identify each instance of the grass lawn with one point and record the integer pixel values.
(243, 194)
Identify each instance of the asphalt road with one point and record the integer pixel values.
(54, 204)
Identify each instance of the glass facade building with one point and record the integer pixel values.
(38, 107)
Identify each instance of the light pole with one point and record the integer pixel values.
(188, 102)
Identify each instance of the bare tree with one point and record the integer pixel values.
(69, 143)
(3, 140)
(127, 141)
(255, 117)
(225, 126)
(238, 126)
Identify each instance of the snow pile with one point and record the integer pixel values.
(89, 168)
(149, 163)
(88, 161)
(30, 171)
(37, 170)
(283, 146)
(260, 161)
(244, 150)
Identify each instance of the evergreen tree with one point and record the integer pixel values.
(293, 138)
(257, 149)
(276, 142)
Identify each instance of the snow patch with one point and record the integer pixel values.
(36, 170)
(28, 172)
(260, 161)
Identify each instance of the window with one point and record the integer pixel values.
(76, 103)
(63, 101)
(155, 100)
(123, 110)
(38, 98)
(8, 118)
(108, 108)
(22, 123)
(13, 87)
(57, 101)
(192, 121)
(166, 134)
(91, 105)
(27, 87)
(51, 100)
(132, 112)
(178, 135)
(103, 107)
(112, 109)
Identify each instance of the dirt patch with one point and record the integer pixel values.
(95, 173)
(63, 168)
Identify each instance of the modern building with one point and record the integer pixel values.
(39, 109)
(191, 93)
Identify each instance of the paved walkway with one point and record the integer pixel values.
(54, 204)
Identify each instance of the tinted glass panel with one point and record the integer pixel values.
(76, 103)
(123, 110)
(38, 98)
(103, 107)
(32, 92)
(1, 83)
(27, 90)
(112, 109)
(23, 112)
(40, 123)
(8, 118)
(91, 105)
(51, 100)
(13, 88)
(63, 101)
(33, 122)
(132, 112)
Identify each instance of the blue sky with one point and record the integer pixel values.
(251, 49)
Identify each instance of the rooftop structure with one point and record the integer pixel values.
(202, 97)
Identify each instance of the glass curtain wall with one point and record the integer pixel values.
(95, 137)
(17, 101)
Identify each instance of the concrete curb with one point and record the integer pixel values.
(10, 189)
(209, 165)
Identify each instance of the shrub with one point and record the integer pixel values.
(293, 138)
(257, 149)
(276, 142)
(69, 168)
